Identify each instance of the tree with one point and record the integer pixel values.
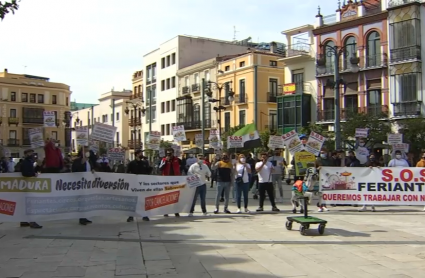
(378, 128)
(8, 7)
(413, 131)
(329, 144)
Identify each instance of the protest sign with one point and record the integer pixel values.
(315, 143)
(49, 119)
(276, 142)
(178, 133)
(193, 181)
(80, 195)
(214, 139)
(81, 132)
(292, 142)
(154, 140)
(304, 160)
(234, 142)
(362, 132)
(373, 186)
(36, 137)
(199, 141)
(116, 154)
(395, 138)
(103, 133)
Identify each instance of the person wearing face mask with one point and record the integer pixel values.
(352, 160)
(398, 161)
(224, 170)
(279, 164)
(362, 152)
(83, 164)
(201, 170)
(53, 157)
(242, 172)
(170, 166)
(371, 163)
(265, 170)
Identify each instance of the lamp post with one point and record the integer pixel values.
(67, 121)
(134, 105)
(217, 86)
(335, 52)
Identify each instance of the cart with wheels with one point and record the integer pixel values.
(305, 221)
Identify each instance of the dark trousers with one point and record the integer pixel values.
(201, 191)
(51, 170)
(252, 180)
(263, 188)
(242, 188)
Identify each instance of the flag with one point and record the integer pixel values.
(250, 136)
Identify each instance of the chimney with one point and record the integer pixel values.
(273, 47)
(5, 70)
(319, 19)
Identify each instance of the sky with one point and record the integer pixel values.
(96, 45)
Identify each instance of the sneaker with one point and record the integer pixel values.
(255, 197)
(373, 209)
(165, 215)
(226, 211)
(238, 211)
(177, 214)
(363, 208)
(145, 218)
(275, 209)
(216, 211)
(206, 214)
(325, 209)
(130, 219)
(34, 225)
(26, 224)
(319, 210)
(294, 210)
(190, 215)
(247, 211)
(260, 209)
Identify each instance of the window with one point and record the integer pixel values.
(12, 113)
(66, 101)
(207, 114)
(32, 115)
(242, 117)
(135, 90)
(226, 121)
(12, 134)
(407, 87)
(242, 91)
(167, 106)
(173, 82)
(148, 73)
(168, 83)
(227, 68)
(197, 115)
(273, 63)
(273, 83)
(242, 64)
(186, 81)
(272, 120)
(54, 100)
(405, 34)
(24, 97)
(374, 103)
(162, 85)
(117, 116)
(167, 129)
(117, 136)
(350, 51)
(162, 129)
(207, 75)
(298, 79)
(184, 110)
(40, 98)
(13, 96)
(373, 50)
(162, 107)
(196, 78)
(153, 114)
(163, 62)
(351, 105)
(168, 61)
(329, 61)
(173, 105)
(153, 72)
(32, 98)
(173, 58)
(55, 135)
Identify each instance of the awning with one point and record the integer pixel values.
(329, 93)
(352, 89)
(374, 84)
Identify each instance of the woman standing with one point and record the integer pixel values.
(242, 170)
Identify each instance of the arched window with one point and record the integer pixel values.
(373, 50)
(330, 59)
(197, 114)
(350, 45)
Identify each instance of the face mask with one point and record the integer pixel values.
(200, 161)
(323, 155)
(398, 156)
(56, 145)
(361, 144)
(372, 159)
(243, 159)
(87, 154)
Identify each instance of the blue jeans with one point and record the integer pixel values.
(201, 191)
(242, 188)
(222, 187)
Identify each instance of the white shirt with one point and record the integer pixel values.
(240, 169)
(279, 164)
(201, 170)
(264, 175)
(398, 163)
(88, 167)
(11, 167)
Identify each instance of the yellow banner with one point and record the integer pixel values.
(303, 160)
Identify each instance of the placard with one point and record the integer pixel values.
(199, 142)
(49, 119)
(214, 139)
(395, 138)
(103, 133)
(362, 132)
(116, 154)
(276, 142)
(193, 181)
(81, 132)
(292, 142)
(179, 134)
(315, 143)
(234, 142)
(36, 137)
(154, 140)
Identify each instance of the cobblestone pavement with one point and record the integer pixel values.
(386, 243)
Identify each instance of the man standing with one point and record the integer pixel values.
(224, 170)
(28, 171)
(265, 170)
(138, 166)
(190, 161)
(201, 170)
(53, 157)
(170, 166)
(278, 163)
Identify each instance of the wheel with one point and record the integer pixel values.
(288, 225)
(302, 230)
(321, 229)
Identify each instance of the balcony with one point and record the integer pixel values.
(376, 61)
(134, 144)
(326, 115)
(241, 99)
(12, 142)
(148, 102)
(154, 79)
(32, 120)
(26, 142)
(134, 122)
(224, 101)
(329, 67)
(395, 3)
(408, 108)
(299, 51)
(136, 96)
(185, 90)
(405, 54)
(196, 88)
(13, 121)
(380, 111)
(272, 97)
(195, 124)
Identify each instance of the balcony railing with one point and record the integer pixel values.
(241, 99)
(395, 3)
(13, 121)
(377, 110)
(31, 120)
(299, 49)
(410, 108)
(134, 144)
(376, 60)
(148, 102)
(136, 96)
(405, 53)
(272, 97)
(196, 88)
(326, 115)
(134, 121)
(26, 142)
(195, 124)
(185, 90)
(12, 142)
(224, 101)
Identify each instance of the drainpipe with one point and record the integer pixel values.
(255, 95)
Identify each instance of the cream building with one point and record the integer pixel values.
(135, 109)
(111, 111)
(24, 98)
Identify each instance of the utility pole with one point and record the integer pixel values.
(203, 115)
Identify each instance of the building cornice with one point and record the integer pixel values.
(202, 66)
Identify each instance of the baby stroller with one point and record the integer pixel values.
(305, 188)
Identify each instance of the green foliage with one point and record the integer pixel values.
(330, 135)
(7, 7)
(413, 133)
(378, 128)
(165, 144)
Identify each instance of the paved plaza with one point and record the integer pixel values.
(386, 243)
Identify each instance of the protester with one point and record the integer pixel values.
(224, 170)
(138, 166)
(279, 164)
(253, 178)
(11, 165)
(28, 171)
(243, 170)
(19, 165)
(352, 160)
(53, 157)
(265, 170)
(371, 163)
(398, 161)
(83, 163)
(421, 163)
(202, 171)
(170, 166)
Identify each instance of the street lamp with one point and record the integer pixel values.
(133, 120)
(336, 52)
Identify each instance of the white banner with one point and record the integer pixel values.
(104, 133)
(81, 132)
(49, 118)
(395, 138)
(373, 186)
(362, 132)
(116, 154)
(36, 137)
(79, 195)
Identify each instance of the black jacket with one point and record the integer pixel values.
(27, 168)
(78, 166)
(138, 167)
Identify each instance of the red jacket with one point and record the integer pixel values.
(165, 166)
(53, 156)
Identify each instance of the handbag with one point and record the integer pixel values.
(240, 179)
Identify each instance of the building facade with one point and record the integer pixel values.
(297, 99)
(254, 76)
(111, 111)
(135, 112)
(360, 31)
(161, 81)
(24, 98)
